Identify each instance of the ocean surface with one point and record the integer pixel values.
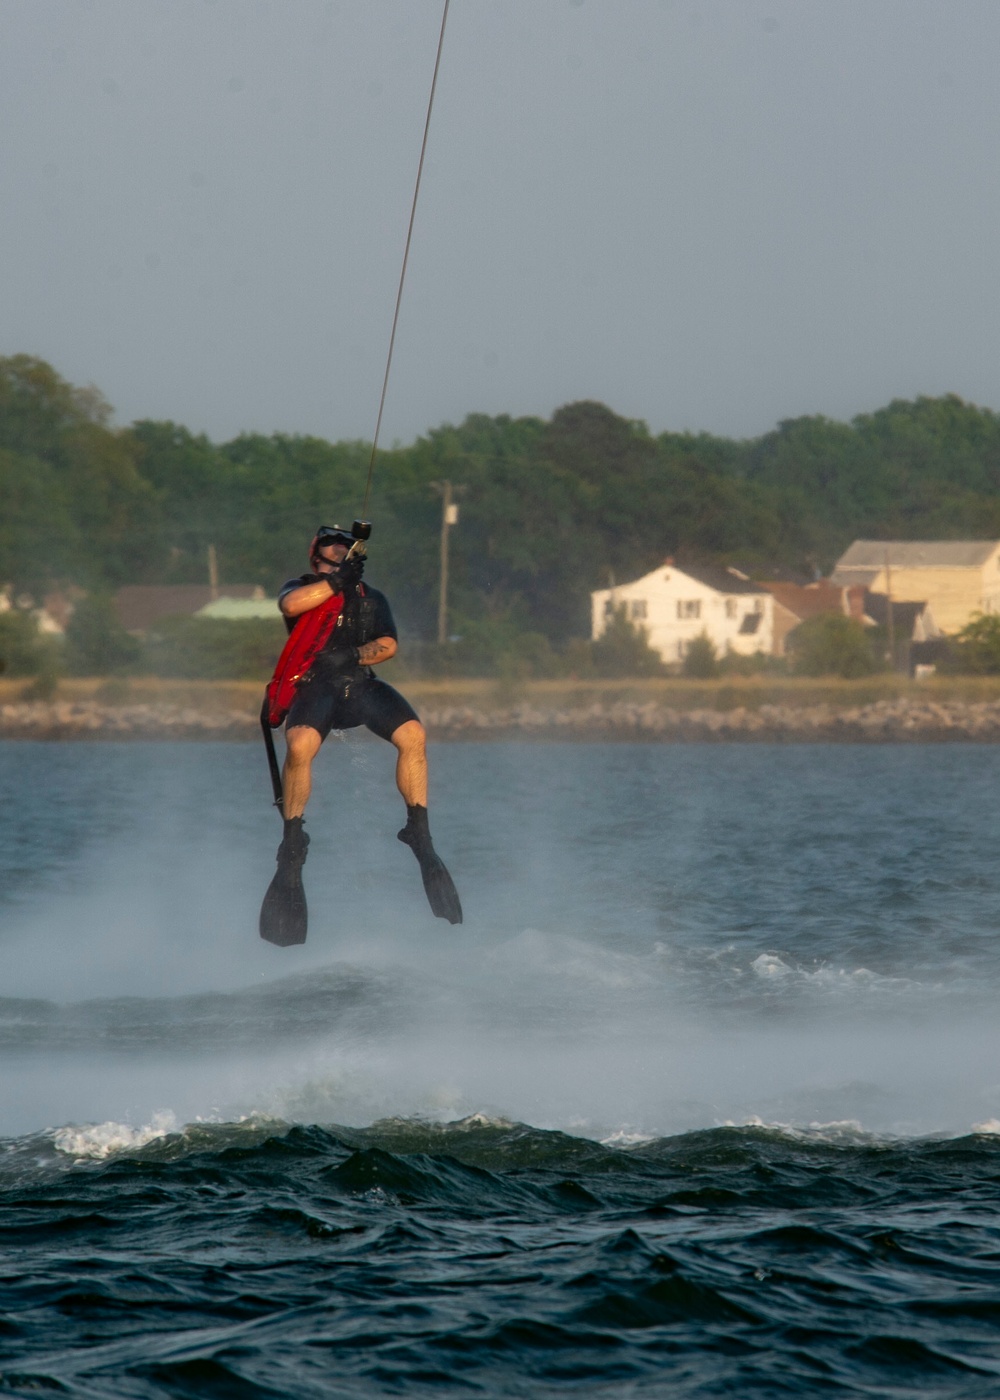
(703, 1099)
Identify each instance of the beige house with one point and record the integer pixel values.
(956, 578)
(676, 605)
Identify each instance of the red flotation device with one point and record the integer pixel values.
(308, 638)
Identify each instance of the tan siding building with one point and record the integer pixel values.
(957, 578)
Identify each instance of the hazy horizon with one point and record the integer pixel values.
(708, 215)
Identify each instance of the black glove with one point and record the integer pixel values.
(346, 575)
(339, 660)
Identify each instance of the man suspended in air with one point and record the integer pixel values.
(339, 629)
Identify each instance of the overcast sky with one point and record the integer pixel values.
(709, 214)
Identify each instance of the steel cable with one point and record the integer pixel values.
(406, 257)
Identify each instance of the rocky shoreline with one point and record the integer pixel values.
(911, 720)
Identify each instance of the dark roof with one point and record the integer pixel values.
(779, 573)
(721, 579)
(139, 605)
(819, 597)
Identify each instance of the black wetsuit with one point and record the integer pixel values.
(335, 699)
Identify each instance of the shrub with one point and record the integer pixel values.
(490, 647)
(831, 644)
(24, 651)
(976, 649)
(757, 663)
(700, 659)
(96, 642)
(623, 649)
(209, 648)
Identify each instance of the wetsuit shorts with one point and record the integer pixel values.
(369, 702)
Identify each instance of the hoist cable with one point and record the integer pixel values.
(406, 256)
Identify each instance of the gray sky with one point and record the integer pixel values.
(710, 214)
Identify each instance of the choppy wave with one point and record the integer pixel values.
(745, 999)
(254, 1258)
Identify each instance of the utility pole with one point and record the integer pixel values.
(213, 573)
(888, 594)
(449, 517)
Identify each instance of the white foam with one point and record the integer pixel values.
(625, 1137)
(841, 1130)
(770, 966)
(100, 1140)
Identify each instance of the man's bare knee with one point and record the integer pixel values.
(303, 744)
(409, 738)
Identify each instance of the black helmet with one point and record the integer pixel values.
(339, 534)
(331, 534)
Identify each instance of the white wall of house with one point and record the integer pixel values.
(675, 608)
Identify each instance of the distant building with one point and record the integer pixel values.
(676, 605)
(955, 578)
(53, 612)
(242, 609)
(796, 602)
(913, 625)
(140, 605)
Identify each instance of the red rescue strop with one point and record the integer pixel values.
(308, 638)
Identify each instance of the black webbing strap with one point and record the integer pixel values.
(272, 758)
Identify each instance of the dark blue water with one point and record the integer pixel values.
(703, 1099)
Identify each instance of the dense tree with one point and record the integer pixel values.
(976, 649)
(831, 644)
(549, 510)
(65, 473)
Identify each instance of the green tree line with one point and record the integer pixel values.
(550, 509)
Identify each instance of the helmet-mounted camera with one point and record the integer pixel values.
(354, 537)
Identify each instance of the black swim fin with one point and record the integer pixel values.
(439, 887)
(284, 916)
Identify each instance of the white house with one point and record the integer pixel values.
(676, 605)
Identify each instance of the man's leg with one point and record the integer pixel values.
(410, 740)
(303, 746)
(283, 915)
(411, 779)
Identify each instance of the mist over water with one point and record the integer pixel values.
(704, 1096)
(657, 939)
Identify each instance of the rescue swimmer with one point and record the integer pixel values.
(340, 628)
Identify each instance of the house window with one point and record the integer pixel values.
(750, 623)
(689, 607)
(609, 607)
(638, 608)
(730, 607)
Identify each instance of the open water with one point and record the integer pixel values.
(703, 1099)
